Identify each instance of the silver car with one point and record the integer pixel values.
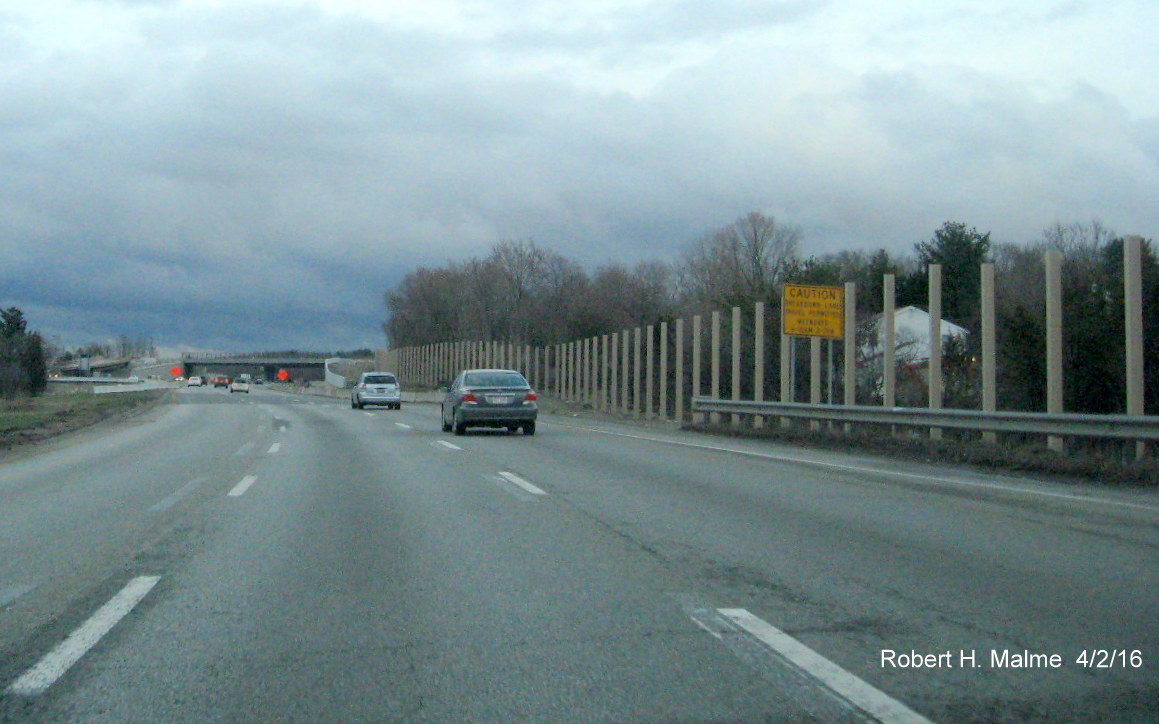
(376, 388)
(489, 398)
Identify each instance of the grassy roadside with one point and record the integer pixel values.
(30, 420)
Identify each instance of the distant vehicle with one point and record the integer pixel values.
(179, 378)
(133, 380)
(195, 381)
(240, 384)
(259, 380)
(489, 398)
(220, 382)
(376, 388)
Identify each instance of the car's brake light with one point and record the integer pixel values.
(467, 397)
(530, 397)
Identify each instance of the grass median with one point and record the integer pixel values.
(29, 420)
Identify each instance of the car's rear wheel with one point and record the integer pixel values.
(529, 428)
(460, 428)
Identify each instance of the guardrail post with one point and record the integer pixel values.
(573, 371)
(561, 370)
(989, 350)
(759, 359)
(935, 354)
(787, 391)
(649, 385)
(585, 370)
(593, 369)
(814, 377)
(1133, 324)
(679, 388)
(663, 378)
(735, 377)
(613, 370)
(601, 372)
(636, 372)
(696, 363)
(625, 370)
(888, 362)
(715, 352)
(850, 348)
(1054, 357)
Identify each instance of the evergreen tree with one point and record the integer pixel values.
(961, 252)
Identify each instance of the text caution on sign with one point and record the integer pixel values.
(813, 311)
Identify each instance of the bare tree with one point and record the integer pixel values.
(741, 263)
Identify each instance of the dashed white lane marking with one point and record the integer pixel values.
(56, 662)
(520, 482)
(448, 445)
(243, 485)
(244, 449)
(854, 690)
(937, 480)
(368, 414)
(172, 499)
(11, 593)
(403, 425)
(274, 448)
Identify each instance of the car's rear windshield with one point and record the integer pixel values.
(381, 380)
(494, 379)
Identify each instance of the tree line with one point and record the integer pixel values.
(23, 367)
(523, 293)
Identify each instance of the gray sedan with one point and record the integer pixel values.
(489, 398)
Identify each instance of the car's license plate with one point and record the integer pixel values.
(499, 399)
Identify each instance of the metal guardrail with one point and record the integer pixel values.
(1123, 427)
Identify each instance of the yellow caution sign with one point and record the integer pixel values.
(813, 311)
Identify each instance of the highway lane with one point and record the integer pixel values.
(374, 568)
(77, 511)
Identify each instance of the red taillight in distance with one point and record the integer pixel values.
(467, 397)
(530, 397)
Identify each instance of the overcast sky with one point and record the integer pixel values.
(239, 175)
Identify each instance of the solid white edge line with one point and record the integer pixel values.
(854, 690)
(875, 471)
(242, 486)
(403, 425)
(516, 480)
(274, 448)
(448, 445)
(56, 662)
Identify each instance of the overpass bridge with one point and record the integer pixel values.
(96, 367)
(299, 369)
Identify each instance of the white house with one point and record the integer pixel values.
(911, 336)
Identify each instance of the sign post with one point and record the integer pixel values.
(818, 313)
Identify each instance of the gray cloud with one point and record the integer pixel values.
(255, 177)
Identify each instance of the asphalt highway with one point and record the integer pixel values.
(273, 557)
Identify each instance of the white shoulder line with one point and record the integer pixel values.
(56, 662)
(854, 690)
